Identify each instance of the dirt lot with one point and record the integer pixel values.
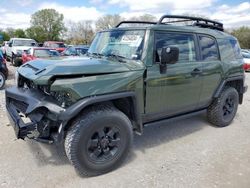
(185, 153)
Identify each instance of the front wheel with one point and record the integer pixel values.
(99, 140)
(222, 111)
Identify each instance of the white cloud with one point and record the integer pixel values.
(74, 13)
(161, 5)
(14, 20)
(233, 16)
(230, 16)
(24, 3)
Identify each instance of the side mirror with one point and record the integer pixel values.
(10, 44)
(169, 55)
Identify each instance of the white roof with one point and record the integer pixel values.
(20, 39)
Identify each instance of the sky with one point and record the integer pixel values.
(233, 13)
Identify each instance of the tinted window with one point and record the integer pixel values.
(236, 49)
(209, 49)
(185, 43)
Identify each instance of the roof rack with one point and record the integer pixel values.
(200, 22)
(193, 21)
(136, 22)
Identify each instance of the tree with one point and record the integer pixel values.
(243, 36)
(10, 31)
(49, 23)
(144, 17)
(108, 21)
(80, 32)
(37, 33)
(19, 33)
(5, 35)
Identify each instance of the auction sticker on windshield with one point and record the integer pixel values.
(132, 40)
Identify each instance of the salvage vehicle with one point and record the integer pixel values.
(136, 74)
(15, 48)
(39, 53)
(3, 70)
(246, 58)
(78, 50)
(59, 46)
(4, 47)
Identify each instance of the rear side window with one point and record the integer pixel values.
(236, 49)
(209, 48)
(185, 43)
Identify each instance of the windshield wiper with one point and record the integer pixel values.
(120, 58)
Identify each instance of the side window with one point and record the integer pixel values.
(209, 49)
(236, 49)
(185, 43)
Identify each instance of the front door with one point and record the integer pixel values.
(178, 90)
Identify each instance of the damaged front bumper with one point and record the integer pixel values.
(41, 111)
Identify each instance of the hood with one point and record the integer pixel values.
(42, 70)
(21, 47)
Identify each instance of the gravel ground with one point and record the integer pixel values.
(185, 153)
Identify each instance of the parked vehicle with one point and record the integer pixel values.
(16, 47)
(141, 74)
(39, 53)
(59, 46)
(4, 47)
(246, 56)
(75, 50)
(3, 70)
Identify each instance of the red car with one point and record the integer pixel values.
(246, 58)
(39, 52)
(59, 46)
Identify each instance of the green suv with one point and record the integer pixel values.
(137, 74)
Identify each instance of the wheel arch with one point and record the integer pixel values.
(126, 102)
(235, 82)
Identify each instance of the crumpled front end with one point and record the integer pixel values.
(32, 114)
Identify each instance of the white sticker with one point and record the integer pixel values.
(131, 40)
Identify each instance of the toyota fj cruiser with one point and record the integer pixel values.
(137, 74)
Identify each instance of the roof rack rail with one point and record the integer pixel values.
(200, 22)
(136, 22)
(195, 21)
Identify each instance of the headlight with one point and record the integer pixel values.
(16, 78)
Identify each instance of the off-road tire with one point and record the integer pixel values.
(217, 110)
(82, 133)
(2, 81)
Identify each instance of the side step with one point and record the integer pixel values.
(174, 118)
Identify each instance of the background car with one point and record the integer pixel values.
(16, 47)
(75, 50)
(59, 46)
(41, 53)
(246, 58)
(3, 70)
(4, 47)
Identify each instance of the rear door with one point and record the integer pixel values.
(211, 68)
(178, 90)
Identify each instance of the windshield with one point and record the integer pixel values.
(45, 53)
(24, 43)
(127, 44)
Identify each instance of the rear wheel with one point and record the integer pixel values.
(99, 141)
(222, 111)
(2, 80)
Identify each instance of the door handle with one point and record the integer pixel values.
(196, 72)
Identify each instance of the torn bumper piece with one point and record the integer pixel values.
(21, 103)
